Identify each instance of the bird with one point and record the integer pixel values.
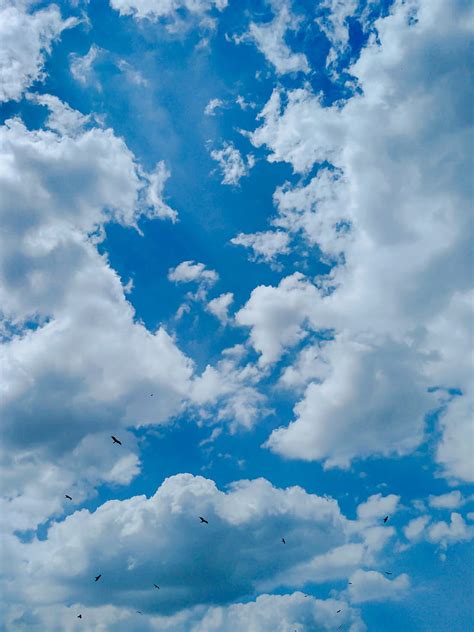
(388, 573)
(67, 496)
(385, 519)
(338, 611)
(156, 586)
(203, 519)
(139, 612)
(283, 540)
(151, 394)
(115, 440)
(98, 577)
(350, 583)
(79, 616)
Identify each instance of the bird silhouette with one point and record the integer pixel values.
(79, 616)
(338, 611)
(139, 612)
(385, 519)
(115, 440)
(151, 395)
(203, 519)
(350, 583)
(98, 577)
(156, 586)
(67, 496)
(388, 573)
(283, 540)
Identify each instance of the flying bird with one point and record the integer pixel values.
(338, 611)
(203, 519)
(283, 540)
(98, 577)
(67, 496)
(350, 583)
(79, 616)
(139, 612)
(156, 586)
(388, 573)
(151, 394)
(115, 440)
(385, 519)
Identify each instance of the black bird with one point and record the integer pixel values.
(115, 440)
(79, 616)
(138, 612)
(67, 496)
(350, 583)
(98, 577)
(338, 611)
(283, 540)
(388, 573)
(203, 519)
(156, 586)
(385, 519)
(151, 395)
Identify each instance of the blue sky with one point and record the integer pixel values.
(236, 235)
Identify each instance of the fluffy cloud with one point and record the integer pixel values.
(373, 586)
(212, 106)
(447, 533)
(451, 500)
(141, 541)
(219, 306)
(391, 215)
(266, 245)
(231, 163)
(76, 366)
(188, 272)
(26, 37)
(270, 40)
(266, 614)
(164, 9)
(415, 529)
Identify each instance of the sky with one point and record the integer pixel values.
(236, 235)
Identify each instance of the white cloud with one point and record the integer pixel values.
(377, 507)
(451, 500)
(373, 586)
(270, 40)
(219, 306)
(447, 533)
(229, 392)
(238, 550)
(333, 23)
(231, 163)
(268, 613)
(26, 37)
(190, 272)
(155, 10)
(212, 106)
(82, 66)
(415, 529)
(392, 217)
(266, 245)
(82, 368)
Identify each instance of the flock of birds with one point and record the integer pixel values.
(203, 521)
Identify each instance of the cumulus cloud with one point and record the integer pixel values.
(270, 40)
(76, 365)
(26, 38)
(266, 245)
(212, 106)
(219, 306)
(191, 272)
(82, 66)
(447, 533)
(236, 552)
(399, 292)
(451, 500)
(373, 586)
(156, 10)
(231, 163)
(415, 529)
